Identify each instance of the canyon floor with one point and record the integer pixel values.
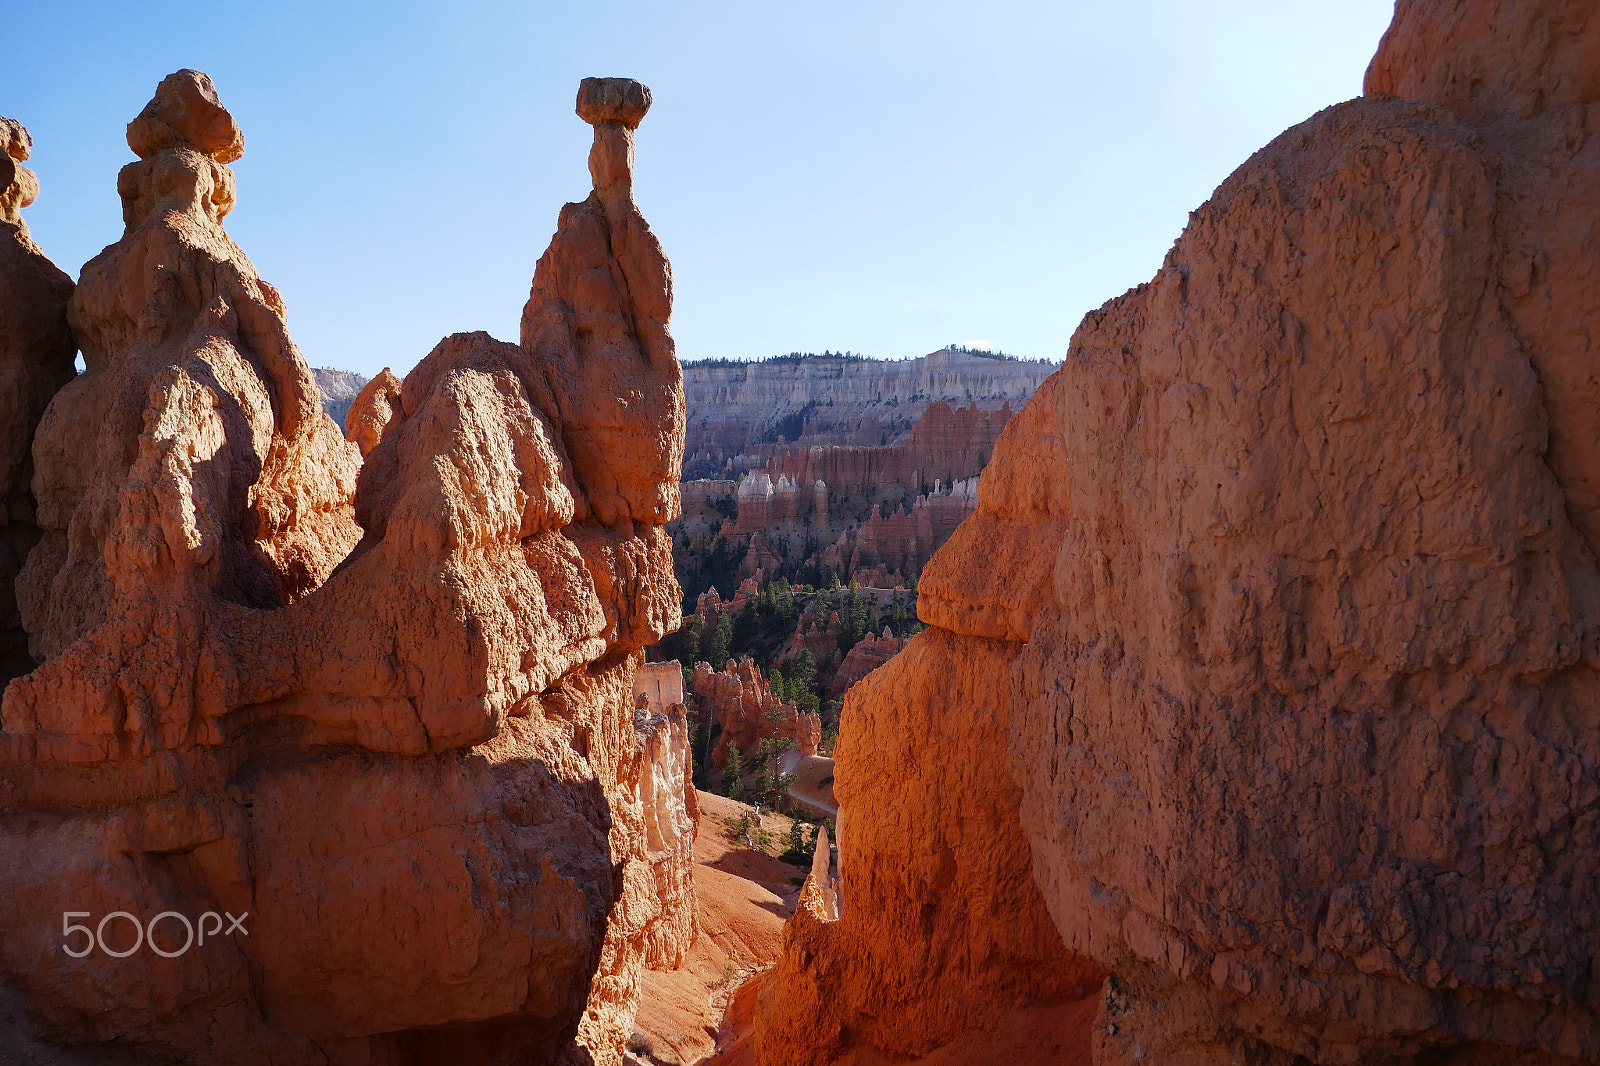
(744, 896)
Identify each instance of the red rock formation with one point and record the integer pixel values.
(764, 503)
(906, 540)
(871, 653)
(943, 934)
(1309, 736)
(371, 410)
(741, 701)
(819, 636)
(36, 350)
(942, 930)
(422, 775)
(993, 576)
(664, 790)
(597, 320)
(214, 337)
(878, 577)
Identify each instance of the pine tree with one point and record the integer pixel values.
(693, 639)
(721, 641)
(795, 842)
(733, 775)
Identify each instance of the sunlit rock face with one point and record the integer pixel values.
(934, 937)
(386, 709)
(1308, 735)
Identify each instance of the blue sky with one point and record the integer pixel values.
(878, 177)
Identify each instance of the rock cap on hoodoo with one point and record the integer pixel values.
(613, 100)
(18, 186)
(186, 112)
(14, 139)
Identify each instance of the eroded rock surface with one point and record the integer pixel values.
(1306, 729)
(176, 307)
(370, 411)
(596, 320)
(740, 700)
(36, 350)
(415, 760)
(1308, 735)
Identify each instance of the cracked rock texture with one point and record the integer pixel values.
(1308, 736)
(388, 709)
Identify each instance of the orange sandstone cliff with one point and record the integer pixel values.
(387, 710)
(943, 941)
(1304, 739)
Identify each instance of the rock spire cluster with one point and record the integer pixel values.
(385, 706)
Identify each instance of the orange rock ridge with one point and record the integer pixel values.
(943, 938)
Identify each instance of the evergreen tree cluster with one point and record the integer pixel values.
(796, 679)
(759, 631)
(786, 357)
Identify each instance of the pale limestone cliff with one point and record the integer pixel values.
(821, 400)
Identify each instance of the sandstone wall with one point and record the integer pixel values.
(1308, 736)
(386, 709)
